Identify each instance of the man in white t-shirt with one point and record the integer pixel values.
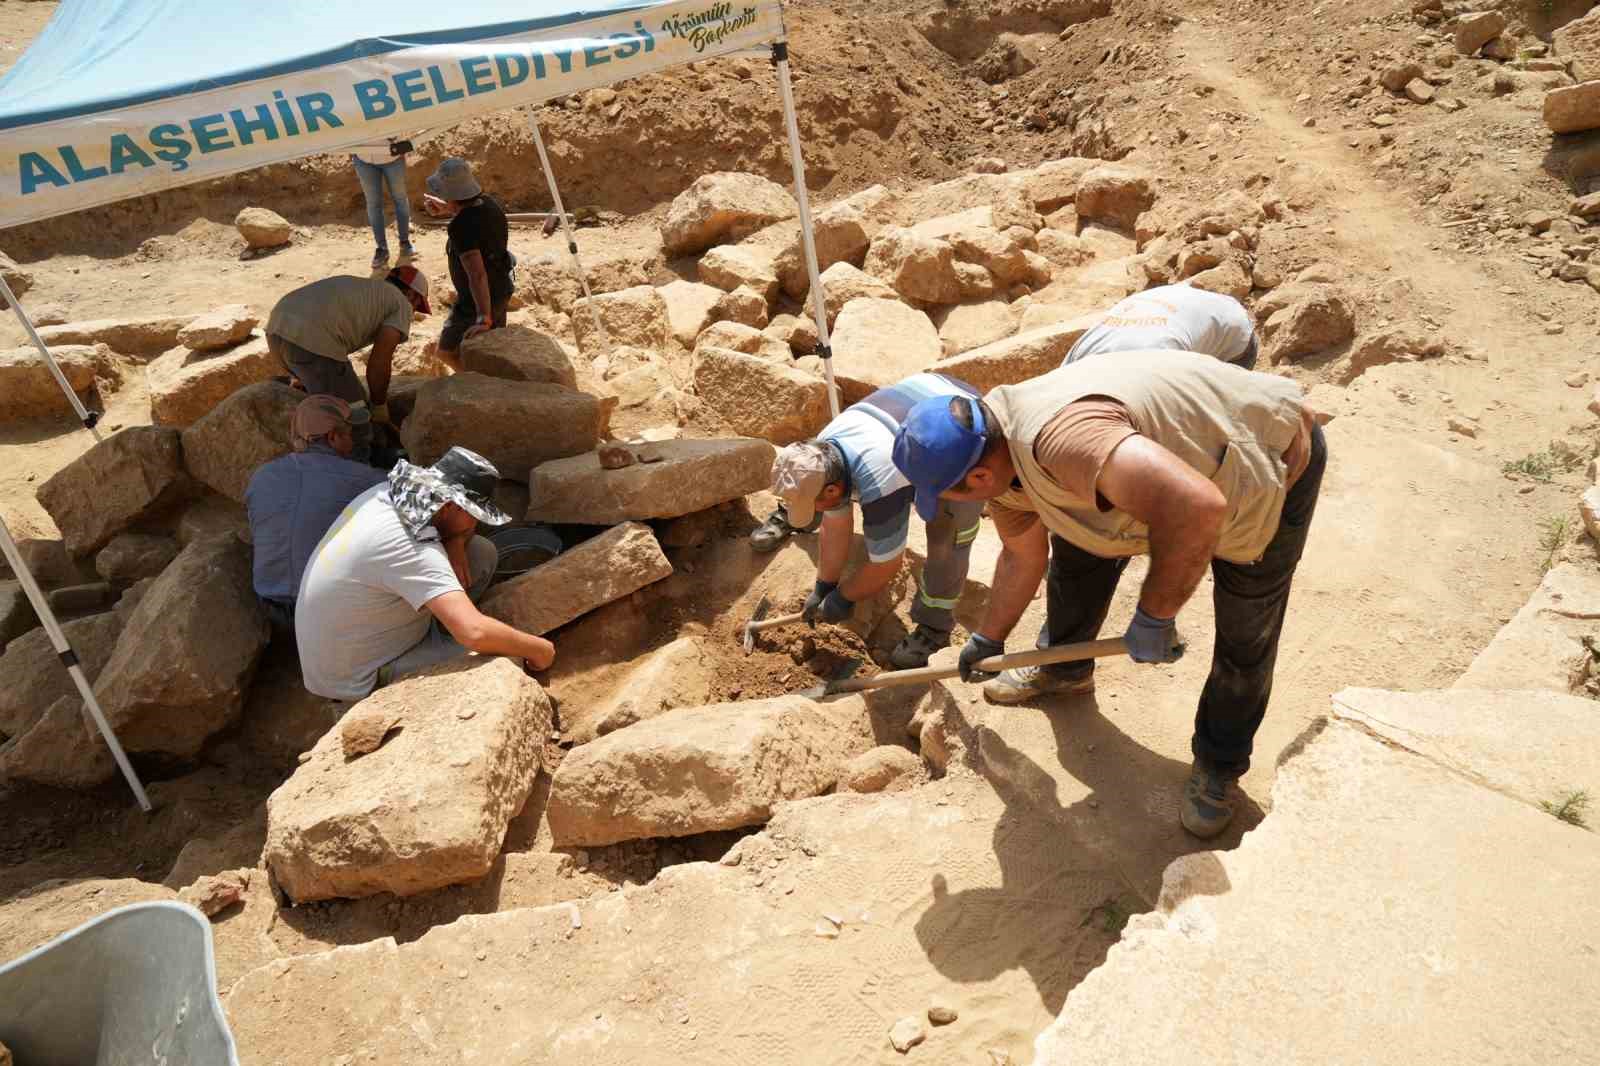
(394, 585)
(1173, 318)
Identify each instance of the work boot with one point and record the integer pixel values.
(1026, 682)
(1207, 808)
(917, 647)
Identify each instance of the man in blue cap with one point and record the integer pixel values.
(1174, 455)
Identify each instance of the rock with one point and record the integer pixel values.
(142, 337)
(519, 353)
(185, 386)
(60, 749)
(690, 476)
(28, 390)
(942, 1014)
(1053, 185)
(1474, 30)
(735, 266)
(799, 333)
(689, 307)
(636, 317)
(1578, 43)
(841, 235)
(919, 268)
(1228, 278)
(1116, 194)
(907, 1033)
(744, 306)
(702, 769)
(1316, 318)
(723, 207)
(17, 617)
(611, 457)
(1002, 254)
(1589, 509)
(1542, 646)
(1586, 206)
(879, 342)
(886, 768)
(51, 565)
(675, 676)
(1462, 425)
(222, 328)
(1396, 76)
(35, 916)
(690, 531)
(132, 477)
(1018, 358)
(618, 562)
(211, 516)
(1390, 346)
(1002, 199)
(1419, 91)
(261, 228)
(515, 425)
(364, 727)
(972, 325)
(1502, 48)
(19, 280)
(738, 337)
(1539, 221)
(215, 893)
(249, 428)
(842, 283)
(1062, 248)
(80, 599)
(428, 809)
(1574, 108)
(1578, 380)
(759, 398)
(180, 670)
(646, 396)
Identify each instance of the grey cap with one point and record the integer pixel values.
(454, 181)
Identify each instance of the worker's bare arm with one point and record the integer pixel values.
(477, 632)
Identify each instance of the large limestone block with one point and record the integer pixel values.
(1476, 29)
(702, 769)
(132, 557)
(759, 397)
(262, 228)
(514, 424)
(29, 390)
(672, 677)
(972, 325)
(636, 317)
(1574, 108)
(620, 561)
(1303, 318)
(689, 305)
(1054, 185)
(735, 266)
(59, 749)
(723, 207)
(841, 235)
(1116, 194)
(16, 614)
(131, 477)
(185, 385)
(843, 282)
(519, 353)
(879, 342)
(249, 428)
(187, 653)
(921, 269)
(1002, 254)
(1542, 647)
(684, 476)
(145, 336)
(222, 328)
(548, 279)
(1018, 358)
(430, 806)
(1578, 43)
(1438, 920)
(1004, 197)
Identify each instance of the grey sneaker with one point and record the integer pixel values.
(1207, 808)
(917, 647)
(770, 534)
(1026, 682)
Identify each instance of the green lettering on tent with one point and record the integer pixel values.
(628, 47)
(125, 153)
(170, 145)
(513, 70)
(247, 128)
(594, 55)
(36, 170)
(440, 92)
(413, 94)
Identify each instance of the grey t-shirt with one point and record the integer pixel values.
(362, 598)
(339, 315)
(1171, 317)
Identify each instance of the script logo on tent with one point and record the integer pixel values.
(705, 29)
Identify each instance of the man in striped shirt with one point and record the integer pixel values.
(853, 460)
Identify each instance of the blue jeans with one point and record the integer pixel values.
(373, 178)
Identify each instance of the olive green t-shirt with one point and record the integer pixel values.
(340, 315)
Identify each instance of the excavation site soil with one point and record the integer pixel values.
(1441, 317)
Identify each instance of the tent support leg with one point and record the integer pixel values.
(566, 229)
(87, 417)
(69, 659)
(808, 240)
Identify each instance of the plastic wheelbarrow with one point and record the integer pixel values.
(136, 986)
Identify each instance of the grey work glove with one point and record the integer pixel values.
(978, 647)
(835, 608)
(1152, 640)
(819, 592)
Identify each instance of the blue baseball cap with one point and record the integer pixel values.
(934, 451)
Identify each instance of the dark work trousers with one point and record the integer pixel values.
(1250, 604)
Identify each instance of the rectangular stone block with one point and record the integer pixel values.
(618, 562)
(1574, 108)
(514, 424)
(686, 476)
(131, 477)
(148, 335)
(758, 397)
(29, 390)
(1027, 355)
(185, 385)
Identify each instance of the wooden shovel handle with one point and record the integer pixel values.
(1067, 653)
(772, 623)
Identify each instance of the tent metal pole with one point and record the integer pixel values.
(566, 229)
(69, 659)
(808, 240)
(87, 417)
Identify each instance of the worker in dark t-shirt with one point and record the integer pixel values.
(480, 264)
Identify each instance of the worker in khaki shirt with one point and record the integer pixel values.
(1174, 455)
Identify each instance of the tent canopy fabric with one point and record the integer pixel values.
(118, 98)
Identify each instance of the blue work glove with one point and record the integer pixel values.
(978, 647)
(819, 592)
(1152, 640)
(836, 608)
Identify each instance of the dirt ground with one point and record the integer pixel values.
(1422, 546)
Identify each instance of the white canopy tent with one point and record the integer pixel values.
(121, 98)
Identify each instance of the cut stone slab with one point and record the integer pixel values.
(614, 564)
(147, 336)
(1018, 358)
(689, 305)
(735, 266)
(132, 557)
(186, 385)
(1362, 896)
(688, 476)
(972, 325)
(1116, 194)
(759, 397)
(427, 809)
(636, 317)
(702, 769)
(921, 269)
(674, 676)
(28, 389)
(1574, 108)
(222, 328)
(514, 424)
(519, 353)
(132, 477)
(723, 207)
(262, 228)
(251, 427)
(880, 342)
(1476, 29)
(1541, 647)
(843, 282)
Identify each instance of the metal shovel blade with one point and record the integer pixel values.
(757, 615)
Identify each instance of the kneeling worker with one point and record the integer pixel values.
(1175, 455)
(1179, 318)
(853, 459)
(395, 584)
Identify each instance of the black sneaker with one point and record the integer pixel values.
(1207, 808)
(770, 534)
(918, 646)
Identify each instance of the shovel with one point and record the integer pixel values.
(1066, 653)
(756, 623)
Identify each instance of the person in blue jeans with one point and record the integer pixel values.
(378, 164)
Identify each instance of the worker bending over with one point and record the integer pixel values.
(1178, 318)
